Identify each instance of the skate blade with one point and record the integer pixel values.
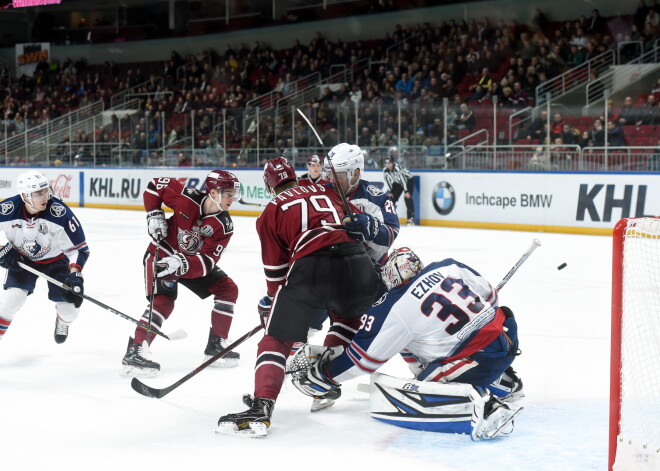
(255, 430)
(509, 421)
(136, 372)
(320, 404)
(223, 362)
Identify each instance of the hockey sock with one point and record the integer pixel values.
(163, 307)
(269, 369)
(221, 317)
(4, 325)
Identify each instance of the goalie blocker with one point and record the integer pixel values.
(440, 407)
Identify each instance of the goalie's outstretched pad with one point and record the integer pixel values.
(439, 407)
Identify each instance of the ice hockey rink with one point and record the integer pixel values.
(67, 407)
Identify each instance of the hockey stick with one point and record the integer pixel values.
(153, 280)
(332, 167)
(248, 203)
(177, 335)
(148, 391)
(535, 244)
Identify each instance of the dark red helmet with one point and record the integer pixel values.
(314, 159)
(222, 180)
(278, 171)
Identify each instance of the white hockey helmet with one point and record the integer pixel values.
(402, 265)
(346, 158)
(29, 182)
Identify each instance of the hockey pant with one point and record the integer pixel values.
(216, 283)
(397, 190)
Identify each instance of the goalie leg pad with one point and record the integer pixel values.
(439, 407)
(421, 405)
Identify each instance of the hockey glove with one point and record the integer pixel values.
(74, 281)
(156, 224)
(9, 258)
(173, 267)
(363, 228)
(263, 308)
(313, 382)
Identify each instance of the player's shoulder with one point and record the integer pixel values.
(373, 189)
(192, 194)
(10, 207)
(57, 210)
(222, 220)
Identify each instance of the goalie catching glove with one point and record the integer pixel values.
(307, 371)
(156, 224)
(364, 227)
(172, 267)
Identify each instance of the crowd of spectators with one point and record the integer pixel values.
(399, 83)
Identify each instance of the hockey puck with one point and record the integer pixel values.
(562, 266)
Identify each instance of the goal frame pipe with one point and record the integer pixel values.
(615, 342)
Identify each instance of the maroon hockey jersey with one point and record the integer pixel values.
(200, 238)
(296, 223)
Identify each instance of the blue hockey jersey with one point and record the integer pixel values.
(370, 198)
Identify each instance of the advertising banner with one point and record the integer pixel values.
(582, 203)
(28, 55)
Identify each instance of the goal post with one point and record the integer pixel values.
(634, 428)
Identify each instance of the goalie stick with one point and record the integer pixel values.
(332, 167)
(148, 391)
(535, 244)
(177, 335)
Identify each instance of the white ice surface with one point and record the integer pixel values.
(65, 407)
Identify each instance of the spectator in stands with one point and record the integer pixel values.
(615, 134)
(575, 56)
(557, 125)
(628, 113)
(466, 119)
(655, 91)
(182, 160)
(519, 96)
(569, 135)
(596, 24)
(639, 18)
(538, 128)
(404, 85)
(597, 134)
(649, 114)
(579, 40)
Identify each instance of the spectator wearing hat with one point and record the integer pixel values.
(314, 172)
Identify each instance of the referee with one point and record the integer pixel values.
(399, 180)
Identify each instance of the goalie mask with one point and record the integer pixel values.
(401, 266)
(277, 172)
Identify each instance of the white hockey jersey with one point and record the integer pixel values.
(445, 313)
(50, 235)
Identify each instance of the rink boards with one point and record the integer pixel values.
(578, 203)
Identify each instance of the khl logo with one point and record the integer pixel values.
(444, 198)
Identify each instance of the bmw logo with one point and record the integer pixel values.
(444, 198)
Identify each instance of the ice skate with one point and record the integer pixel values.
(61, 330)
(214, 346)
(135, 362)
(253, 422)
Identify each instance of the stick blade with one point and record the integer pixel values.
(145, 390)
(178, 335)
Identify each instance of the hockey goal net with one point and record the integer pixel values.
(634, 439)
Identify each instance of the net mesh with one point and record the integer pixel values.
(640, 333)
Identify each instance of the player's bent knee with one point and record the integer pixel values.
(11, 300)
(67, 311)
